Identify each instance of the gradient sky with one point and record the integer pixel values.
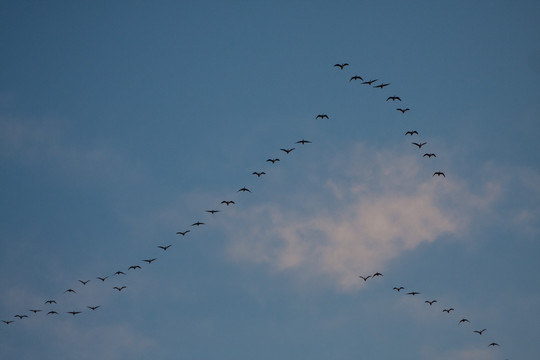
(122, 122)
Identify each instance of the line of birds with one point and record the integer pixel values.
(227, 203)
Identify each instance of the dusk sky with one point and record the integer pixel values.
(122, 122)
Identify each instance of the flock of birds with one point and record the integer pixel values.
(50, 306)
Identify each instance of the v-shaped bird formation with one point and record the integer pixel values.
(51, 305)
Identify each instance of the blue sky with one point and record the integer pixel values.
(121, 123)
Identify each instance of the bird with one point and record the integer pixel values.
(52, 312)
(50, 302)
(149, 260)
(419, 145)
(134, 267)
(7, 322)
(84, 282)
(381, 85)
(479, 332)
(393, 98)
(119, 288)
(341, 66)
(439, 173)
(429, 155)
(244, 189)
(303, 142)
(287, 150)
(463, 320)
(212, 211)
(119, 273)
(377, 274)
(369, 82)
(364, 277)
(398, 289)
(70, 290)
(183, 233)
(403, 111)
(411, 132)
(35, 311)
(258, 173)
(198, 223)
(164, 248)
(448, 310)
(74, 312)
(93, 307)
(430, 302)
(273, 161)
(413, 293)
(322, 116)
(21, 316)
(102, 278)
(356, 77)
(493, 344)
(229, 202)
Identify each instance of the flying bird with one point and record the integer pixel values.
(150, 260)
(84, 282)
(183, 233)
(439, 173)
(198, 223)
(493, 344)
(119, 288)
(413, 293)
(50, 302)
(119, 273)
(356, 77)
(7, 322)
(74, 312)
(364, 277)
(369, 82)
(393, 98)
(102, 278)
(429, 155)
(287, 150)
(448, 310)
(479, 332)
(229, 202)
(341, 66)
(134, 267)
(70, 290)
(35, 311)
(164, 248)
(377, 274)
(21, 316)
(93, 308)
(244, 189)
(52, 312)
(430, 302)
(258, 173)
(419, 145)
(463, 320)
(322, 116)
(303, 142)
(212, 211)
(403, 111)
(398, 289)
(381, 85)
(411, 132)
(273, 161)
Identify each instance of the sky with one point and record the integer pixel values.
(122, 122)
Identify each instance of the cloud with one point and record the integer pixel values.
(367, 215)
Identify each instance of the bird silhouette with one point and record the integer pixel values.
(303, 142)
(52, 312)
(463, 320)
(74, 312)
(393, 98)
(493, 344)
(149, 260)
(411, 132)
(322, 116)
(377, 274)
(198, 223)
(134, 267)
(244, 189)
(229, 202)
(70, 290)
(50, 302)
(212, 211)
(448, 310)
(430, 302)
(439, 173)
(84, 282)
(35, 311)
(119, 273)
(364, 277)
(479, 332)
(93, 308)
(398, 289)
(413, 293)
(287, 151)
(7, 322)
(102, 278)
(381, 85)
(341, 66)
(119, 288)
(21, 316)
(419, 145)
(258, 173)
(356, 77)
(429, 155)
(183, 233)
(403, 111)
(164, 248)
(369, 82)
